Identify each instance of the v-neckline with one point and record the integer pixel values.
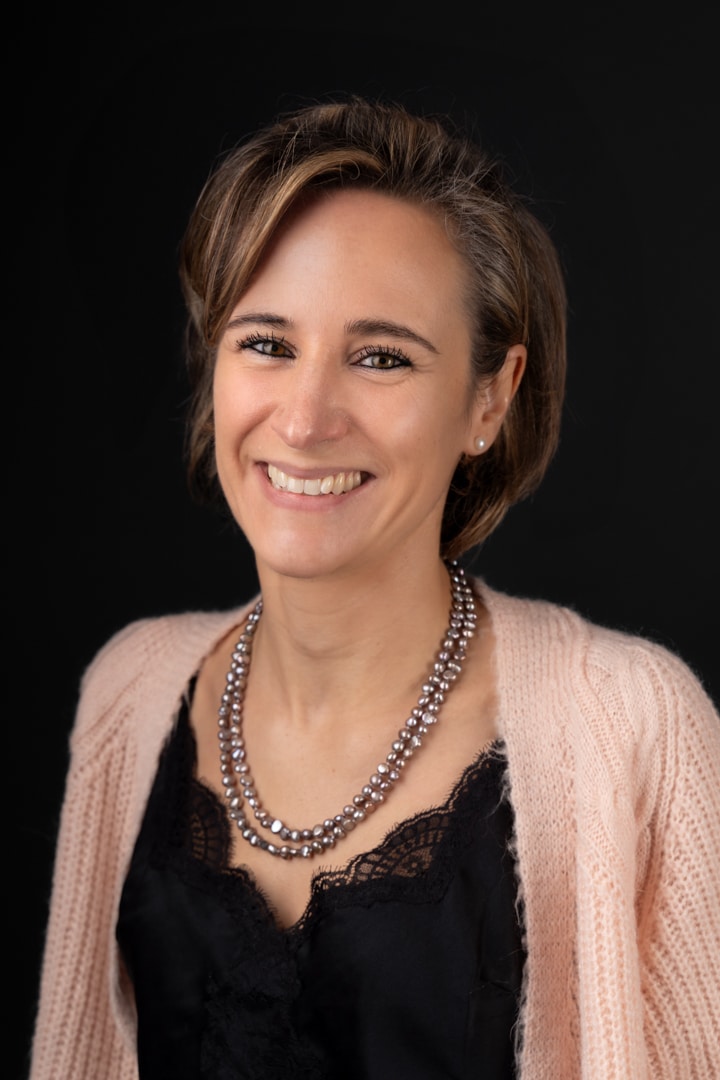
(325, 878)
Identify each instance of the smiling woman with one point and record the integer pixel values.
(309, 836)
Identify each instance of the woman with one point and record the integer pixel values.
(383, 821)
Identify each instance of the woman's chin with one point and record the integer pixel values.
(303, 561)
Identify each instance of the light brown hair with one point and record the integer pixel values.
(517, 293)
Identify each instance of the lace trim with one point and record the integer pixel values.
(414, 862)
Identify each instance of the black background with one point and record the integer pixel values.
(605, 116)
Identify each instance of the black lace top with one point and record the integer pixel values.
(405, 966)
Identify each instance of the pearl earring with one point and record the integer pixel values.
(479, 445)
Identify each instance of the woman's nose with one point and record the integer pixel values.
(310, 410)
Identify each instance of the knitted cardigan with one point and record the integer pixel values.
(614, 772)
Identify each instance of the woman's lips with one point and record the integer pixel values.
(331, 484)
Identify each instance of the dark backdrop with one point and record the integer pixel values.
(605, 118)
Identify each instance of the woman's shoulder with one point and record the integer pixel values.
(621, 704)
(607, 661)
(160, 636)
(150, 659)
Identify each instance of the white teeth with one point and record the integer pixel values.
(337, 483)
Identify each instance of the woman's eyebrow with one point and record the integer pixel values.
(267, 318)
(388, 329)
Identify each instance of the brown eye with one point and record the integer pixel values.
(272, 348)
(382, 359)
(265, 346)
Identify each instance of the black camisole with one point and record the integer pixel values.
(406, 964)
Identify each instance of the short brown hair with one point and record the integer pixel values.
(517, 286)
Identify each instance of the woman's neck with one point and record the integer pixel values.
(323, 643)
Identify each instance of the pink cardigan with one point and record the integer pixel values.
(614, 764)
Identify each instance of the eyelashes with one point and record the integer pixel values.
(389, 358)
(265, 345)
(371, 357)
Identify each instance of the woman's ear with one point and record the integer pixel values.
(493, 400)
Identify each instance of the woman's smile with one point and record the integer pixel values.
(330, 483)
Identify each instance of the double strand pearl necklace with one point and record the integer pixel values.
(237, 779)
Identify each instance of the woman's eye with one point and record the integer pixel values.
(266, 346)
(382, 359)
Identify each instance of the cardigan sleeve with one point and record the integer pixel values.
(649, 864)
(679, 911)
(75, 1032)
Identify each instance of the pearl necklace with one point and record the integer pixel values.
(237, 779)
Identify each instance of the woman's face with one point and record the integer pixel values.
(342, 390)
